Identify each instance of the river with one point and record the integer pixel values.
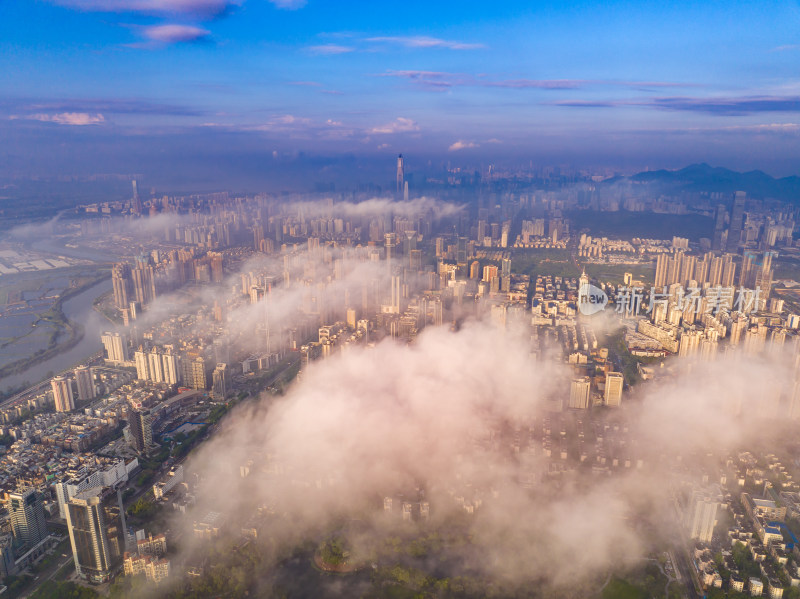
(78, 309)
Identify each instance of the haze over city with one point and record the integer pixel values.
(452, 300)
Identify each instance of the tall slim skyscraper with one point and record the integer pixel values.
(122, 284)
(96, 525)
(662, 270)
(84, 380)
(396, 294)
(390, 245)
(737, 220)
(155, 366)
(142, 364)
(171, 366)
(220, 382)
(26, 510)
(62, 394)
(136, 203)
(719, 240)
(401, 175)
(144, 283)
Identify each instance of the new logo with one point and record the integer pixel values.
(591, 299)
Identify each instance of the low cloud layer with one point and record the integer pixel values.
(457, 415)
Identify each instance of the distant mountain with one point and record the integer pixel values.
(702, 177)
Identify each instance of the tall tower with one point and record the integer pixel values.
(737, 220)
(401, 177)
(136, 203)
(396, 294)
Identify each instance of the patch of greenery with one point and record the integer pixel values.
(64, 590)
(618, 588)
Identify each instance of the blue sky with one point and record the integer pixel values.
(90, 84)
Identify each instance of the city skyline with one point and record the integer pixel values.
(96, 87)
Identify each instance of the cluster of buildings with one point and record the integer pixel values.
(756, 551)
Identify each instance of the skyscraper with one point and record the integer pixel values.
(141, 425)
(144, 283)
(220, 382)
(142, 364)
(401, 175)
(390, 244)
(62, 394)
(122, 284)
(196, 370)
(396, 294)
(84, 380)
(136, 203)
(96, 525)
(28, 523)
(737, 220)
(719, 240)
(171, 366)
(662, 270)
(116, 347)
(701, 517)
(155, 366)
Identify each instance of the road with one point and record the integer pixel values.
(48, 574)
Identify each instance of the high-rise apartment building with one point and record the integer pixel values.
(155, 365)
(96, 525)
(62, 394)
(171, 367)
(579, 393)
(613, 391)
(142, 360)
(144, 283)
(116, 347)
(194, 373)
(220, 382)
(702, 517)
(84, 380)
(737, 220)
(141, 429)
(123, 285)
(26, 511)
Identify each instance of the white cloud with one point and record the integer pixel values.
(330, 49)
(173, 34)
(67, 118)
(193, 8)
(462, 145)
(289, 4)
(421, 41)
(399, 125)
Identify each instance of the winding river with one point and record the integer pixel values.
(77, 309)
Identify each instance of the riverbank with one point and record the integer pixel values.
(70, 311)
